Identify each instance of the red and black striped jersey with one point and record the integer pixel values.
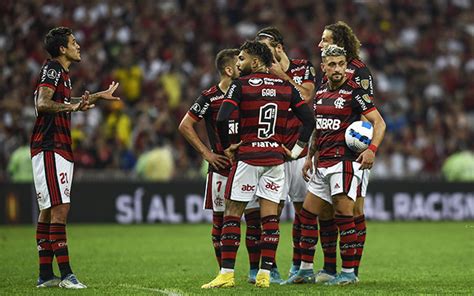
(301, 71)
(206, 107)
(263, 100)
(52, 131)
(335, 110)
(358, 72)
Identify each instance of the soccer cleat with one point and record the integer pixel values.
(52, 282)
(71, 282)
(293, 270)
(275, 277)
(223, 280)
(303, 276)
(342, 279)
(262, 280)
(323, 276)
(252, 275)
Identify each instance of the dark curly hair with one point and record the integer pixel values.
(56, 38)
(259, 50)
(343, 36)
(271, 33)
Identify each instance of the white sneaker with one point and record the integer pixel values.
(71, 282)
(52, 282)
(323, 276)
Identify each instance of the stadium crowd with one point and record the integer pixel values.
(421, 54)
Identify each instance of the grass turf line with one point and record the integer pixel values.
(399, 258)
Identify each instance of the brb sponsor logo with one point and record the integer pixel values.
(247, 188)
(328, 123)
(272, 186)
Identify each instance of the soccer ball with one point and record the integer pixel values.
(359, 135)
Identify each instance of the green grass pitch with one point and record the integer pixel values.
(399, 258)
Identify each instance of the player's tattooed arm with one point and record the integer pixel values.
(313, 146)
(45, 103)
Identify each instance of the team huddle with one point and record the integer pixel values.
(260, 118)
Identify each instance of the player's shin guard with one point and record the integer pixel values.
(58, 238)
(328, 233)
(217, 220)
(347, 241)
(296, 234)
(230, 241)
(309, 235)
(252, 237)
(361, 232)
(45, 251)
(269, 241)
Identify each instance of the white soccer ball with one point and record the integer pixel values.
(359, 135)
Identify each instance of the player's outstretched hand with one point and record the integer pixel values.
(108, 94)
(366, 159)
(230, 151)
(216, 160)
(308, 166)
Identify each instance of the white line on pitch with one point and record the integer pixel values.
(162, 291)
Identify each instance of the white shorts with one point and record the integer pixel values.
(295, 186)
(52, 175)
(214, 194)
(362, 189)
(248, 182)
(343, 177)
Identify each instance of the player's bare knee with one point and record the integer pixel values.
(268, 208)
(59, 213)
(326, 213)
(234, 208)
(343, 205)
(45, 216)
(359, 207)
(297, 206)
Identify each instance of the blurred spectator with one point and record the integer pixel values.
(156, 164)
(19, 166)
(459, 167)
(420, 52)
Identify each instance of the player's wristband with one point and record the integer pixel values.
(373, 148)
(296, 151)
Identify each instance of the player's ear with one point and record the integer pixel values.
(62, 49)
(255, 63)
(228, 71)
(279, 47)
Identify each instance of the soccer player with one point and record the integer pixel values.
(338, 103)
(263, 100)
(52, 156)
(342, 35)
(206, 107)
(300, 73)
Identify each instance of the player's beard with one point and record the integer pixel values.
(334, 80)
(245, 71)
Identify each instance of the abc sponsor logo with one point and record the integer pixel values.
(247, 188)
(272, 186)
